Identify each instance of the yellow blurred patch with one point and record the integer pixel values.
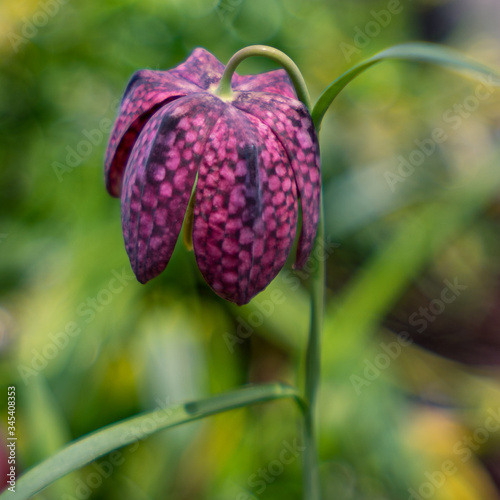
(11, 17)
(434, 434)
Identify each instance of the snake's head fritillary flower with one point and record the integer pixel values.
(252, 157)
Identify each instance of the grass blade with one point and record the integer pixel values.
(422, 52)
(99, 443)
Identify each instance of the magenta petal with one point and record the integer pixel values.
(245, 212)
(276, 82)
(201, 68)
(292, 125)
(145, 93)
(159, 178)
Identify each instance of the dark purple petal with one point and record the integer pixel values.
(159, 178)
(292, 125)
(276, 82)
(201, 68)
(146, 92)
(245, 212)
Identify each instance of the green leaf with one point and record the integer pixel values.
(112, 437)
(423, 52)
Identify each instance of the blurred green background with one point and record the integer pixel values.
(86, 345)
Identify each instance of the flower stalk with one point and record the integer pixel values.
(224, 89)
(313, 369)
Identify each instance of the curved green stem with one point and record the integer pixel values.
(224, 88)
(313, 366)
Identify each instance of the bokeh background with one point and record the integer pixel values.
(412, 215)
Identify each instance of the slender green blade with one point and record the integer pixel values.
(423, 52)
(99, 443)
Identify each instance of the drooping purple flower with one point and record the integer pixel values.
(253, 156)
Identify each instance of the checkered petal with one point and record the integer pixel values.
(159, 178)
(292, 126)
(245, 213)
(146, 92)
(201, 68)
